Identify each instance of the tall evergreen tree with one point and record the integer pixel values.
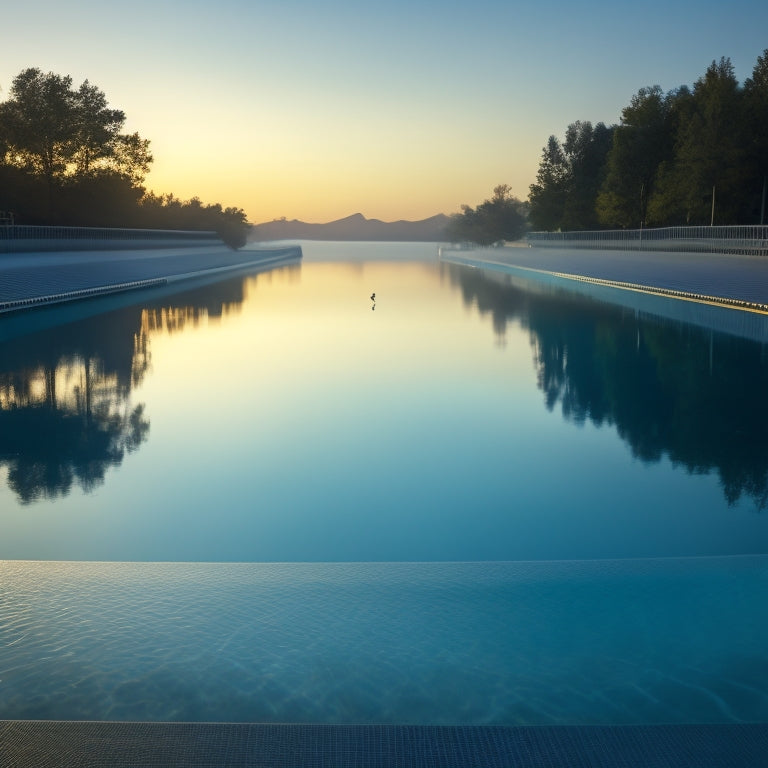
(708, 158)
(569, 177)
(756, 115)
(550, 190)
(641, 142)
(586, 148)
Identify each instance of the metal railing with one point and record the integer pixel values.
(739, 239)
(24, 238)
(25, 232)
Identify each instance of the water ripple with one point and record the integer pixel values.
(462, 643)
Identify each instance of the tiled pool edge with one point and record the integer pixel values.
(264, 259)
(744, 319)
(40, 744)
(723, 301)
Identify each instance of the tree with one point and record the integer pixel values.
(39, 124)
(709, 155)
(63, 159)
(57, 133)
(549, 192)
(569, 177)
(96, 129)
(756, 115)
(641, 142)
(500, 218)
(586, 148)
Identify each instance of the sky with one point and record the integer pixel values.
(317, 110)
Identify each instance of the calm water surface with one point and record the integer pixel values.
(510, 504)
(280, 417)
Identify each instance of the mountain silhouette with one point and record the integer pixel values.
(354, 227)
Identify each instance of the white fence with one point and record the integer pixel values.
(746, 239)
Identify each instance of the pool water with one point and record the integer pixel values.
(497, 503)
(584, 642)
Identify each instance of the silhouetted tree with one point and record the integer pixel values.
(756, 115)
(641, 142)
(64, 160)
(586, 148)
(569, 177)
(59, 133)
(710, 150)
(549, 192)
(495, 220)
(664, 159)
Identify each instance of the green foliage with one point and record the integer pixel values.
(64, 160)
(660, 165)
(569, 177)
(550, 191)
(168, 212)
(58, 132)
(709, 153)
(640, 144)
(495, 220)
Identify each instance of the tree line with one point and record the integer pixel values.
(687, 157)
(64, 160)
(690, 156)
(502, 217)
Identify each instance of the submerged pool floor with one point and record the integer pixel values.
(559, 643)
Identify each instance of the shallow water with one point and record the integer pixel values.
(652, 641)
(498, 503)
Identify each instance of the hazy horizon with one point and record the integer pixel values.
(316, 112)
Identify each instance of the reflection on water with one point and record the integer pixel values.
(668, 389)
(64, 422)
(66, 414)
(289, 422)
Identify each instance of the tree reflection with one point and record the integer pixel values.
(670, 389)
(62, 424)
(66, 415)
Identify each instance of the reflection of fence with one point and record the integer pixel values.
(17, 238)
(746, 239)
(6, 219)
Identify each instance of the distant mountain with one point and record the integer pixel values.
(355, 227)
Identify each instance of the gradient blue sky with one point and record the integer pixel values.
(396, 110)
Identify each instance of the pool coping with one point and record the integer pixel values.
(250, 259)
(85, 744)
(737, 317)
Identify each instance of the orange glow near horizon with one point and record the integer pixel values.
(397, 111)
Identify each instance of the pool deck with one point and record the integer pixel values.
(730, 279)
(50, 744)
(718, 292)
(29, 279)
(35, 279)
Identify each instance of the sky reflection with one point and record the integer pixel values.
(287, 421)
